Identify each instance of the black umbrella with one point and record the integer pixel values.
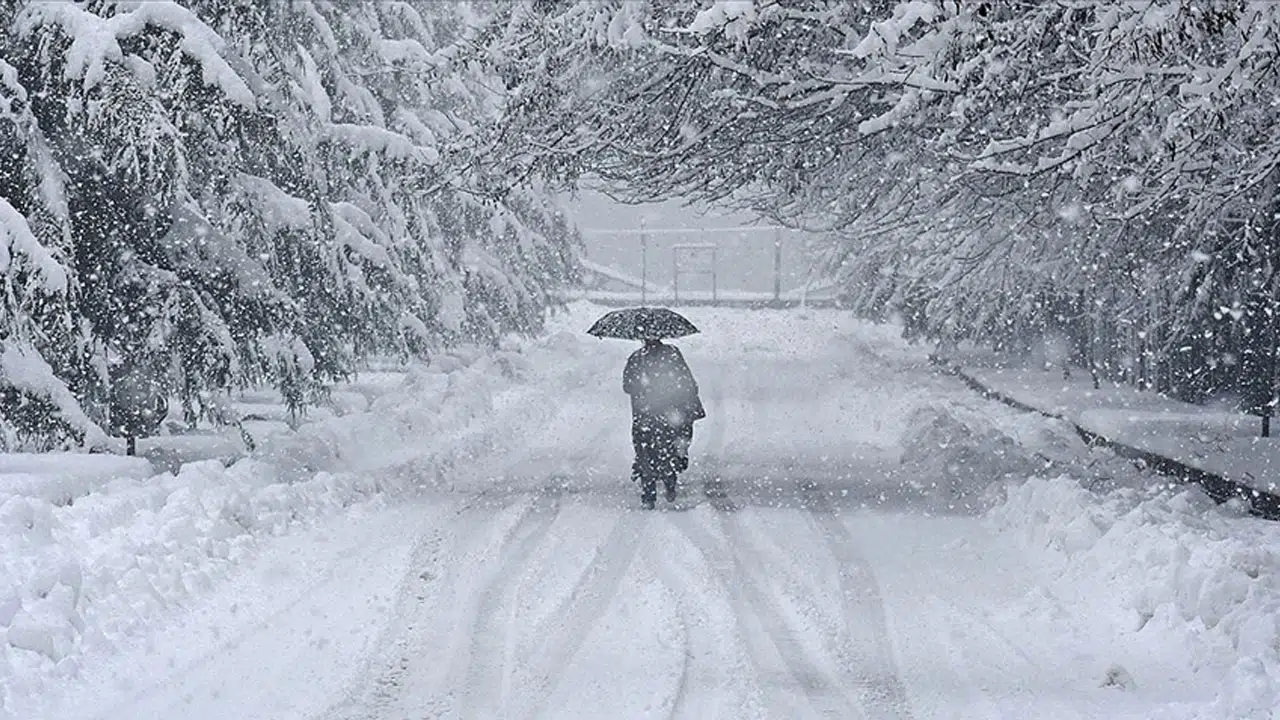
(639, 323)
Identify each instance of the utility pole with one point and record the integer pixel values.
(777, 265)
(644, 264)
(675, 274)
(715, 270)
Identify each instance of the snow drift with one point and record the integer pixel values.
(1163, 564)
(95, 548)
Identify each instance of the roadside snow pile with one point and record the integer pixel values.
(960, 455)
(1164, 564)
(89, 561)
(58, 478)
(411, 425)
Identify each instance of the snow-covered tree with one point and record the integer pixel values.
(994, 169)
(253, 193)
(45, 354)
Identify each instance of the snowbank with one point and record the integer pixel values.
(94, 549)
(1168, 565)
(59, 478)
(1152, 565)
(956, 457)
(962, 454)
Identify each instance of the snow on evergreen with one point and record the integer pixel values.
(1098, 171)
(233, 197)
(96, 42)
(18, 246)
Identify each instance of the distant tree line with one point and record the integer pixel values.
(989, 171)
(204, 195)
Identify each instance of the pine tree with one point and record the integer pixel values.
(46, 358)
(256, 193)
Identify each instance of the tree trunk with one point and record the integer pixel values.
(1258, 359)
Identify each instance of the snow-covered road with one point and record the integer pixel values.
(821, 562)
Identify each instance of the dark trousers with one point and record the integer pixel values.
(657, 460)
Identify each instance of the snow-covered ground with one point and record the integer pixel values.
(859, 536)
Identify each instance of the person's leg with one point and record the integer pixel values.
(645, 465)
(648, 491)
(666, 457)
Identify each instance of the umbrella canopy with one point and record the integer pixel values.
(639, 323)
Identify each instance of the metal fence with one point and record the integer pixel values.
(707, 264)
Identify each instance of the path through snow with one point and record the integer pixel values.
(815, 566)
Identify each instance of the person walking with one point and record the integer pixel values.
(664, 406)
(664, 395)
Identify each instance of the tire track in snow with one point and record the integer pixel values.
(678, 589)
(590, 598)
(415, 631)
(711, 668)
(484, 661)
(825, 692)
(882, 694)
(869, 656)
(487, 661)
(723, 570)
(746, 598)
(750, 601)
(395, 636)
(373, 694)
(686, 661)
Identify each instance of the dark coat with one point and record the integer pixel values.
(661, 385)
